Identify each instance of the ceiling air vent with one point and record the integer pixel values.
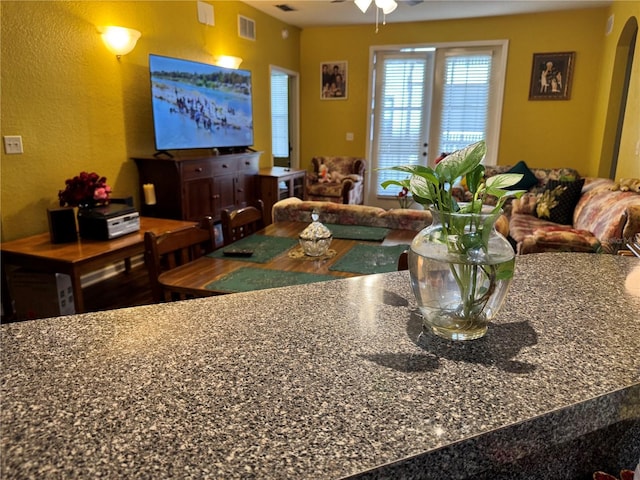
(285, 8)
(246, 28)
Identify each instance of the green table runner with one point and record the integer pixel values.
(265, 247)
(250, 278)
(366, 259)
(358, 232)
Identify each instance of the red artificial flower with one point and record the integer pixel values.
(85, 189)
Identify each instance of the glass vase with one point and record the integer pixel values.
(460, 269)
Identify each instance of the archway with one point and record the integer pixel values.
(618, 99)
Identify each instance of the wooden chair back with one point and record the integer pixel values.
(171, 249)
(403, 261)
(242, 222)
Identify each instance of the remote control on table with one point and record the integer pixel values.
(237, 252)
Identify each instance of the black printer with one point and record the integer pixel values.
(108, 221)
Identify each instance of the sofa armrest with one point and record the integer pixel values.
(632, 225)
(359, 167)
(559, 239)
(353, 178)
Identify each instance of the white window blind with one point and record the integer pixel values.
(399, 113)
(279, 115)
(465, 101)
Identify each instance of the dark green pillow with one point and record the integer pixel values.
(559, 200)
(529, 179)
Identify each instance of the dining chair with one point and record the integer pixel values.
(403, 261)
(168, 250)
(241, 222)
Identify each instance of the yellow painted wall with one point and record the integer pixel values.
(629, 154)
(78, 108)
(543, 133)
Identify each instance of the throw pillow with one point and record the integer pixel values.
(528, 180)
(559, 200)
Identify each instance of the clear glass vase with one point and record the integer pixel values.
(460, 268)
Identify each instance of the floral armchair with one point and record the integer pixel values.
(336, 179)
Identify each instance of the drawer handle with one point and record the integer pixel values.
(224, 165)
(199, 169)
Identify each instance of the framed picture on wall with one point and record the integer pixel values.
(333, 78)
(551, 76)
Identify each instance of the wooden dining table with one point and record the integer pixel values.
(77, 258)
(195, 278)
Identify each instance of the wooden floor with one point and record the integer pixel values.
(123, 290)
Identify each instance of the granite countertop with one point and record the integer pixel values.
(330, 380)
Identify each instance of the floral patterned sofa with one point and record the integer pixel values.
(296, 210)
(336, 179)
(603, 221)
(538, 181)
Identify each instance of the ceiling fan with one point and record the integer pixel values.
(387, 6)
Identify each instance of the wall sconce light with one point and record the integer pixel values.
(119, 40)
(227, 61)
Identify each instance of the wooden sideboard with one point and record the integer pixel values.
(189, 188)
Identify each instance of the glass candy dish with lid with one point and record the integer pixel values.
(315, 238)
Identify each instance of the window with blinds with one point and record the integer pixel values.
(279, 115)
(465, 101)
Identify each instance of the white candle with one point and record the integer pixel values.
(149, 194)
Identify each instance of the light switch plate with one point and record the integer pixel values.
(12, 144)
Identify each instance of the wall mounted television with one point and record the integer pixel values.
(197, 105)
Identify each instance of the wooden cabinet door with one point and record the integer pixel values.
(244, 189)
(224, 188)
(247, 185)
(199, 198)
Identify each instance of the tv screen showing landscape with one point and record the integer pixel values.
(196, 105)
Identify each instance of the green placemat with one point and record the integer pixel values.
(368, 259)
(358, 232)
(250, 278)
(265, 247)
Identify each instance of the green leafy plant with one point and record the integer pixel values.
(466, 236)
(433, 186)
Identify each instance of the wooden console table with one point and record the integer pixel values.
(277, 183)
(77, 258)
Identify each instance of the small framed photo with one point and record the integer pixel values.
(333, 77)
(551, 76)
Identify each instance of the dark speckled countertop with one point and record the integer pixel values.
(331, 380)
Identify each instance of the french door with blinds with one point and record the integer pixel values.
(431, 100)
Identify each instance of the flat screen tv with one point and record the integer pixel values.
(196, 105)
